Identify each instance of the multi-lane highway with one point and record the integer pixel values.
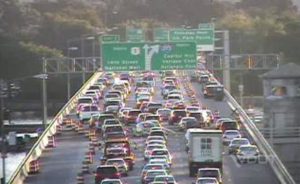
(61, 164)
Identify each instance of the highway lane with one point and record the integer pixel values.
(234, 172)
(61, 164)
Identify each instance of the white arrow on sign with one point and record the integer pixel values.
(149, 52)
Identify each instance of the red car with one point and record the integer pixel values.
(106, 171)
(131, 116)
(176, 116)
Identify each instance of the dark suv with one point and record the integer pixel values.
(106, 171)
(176, 116)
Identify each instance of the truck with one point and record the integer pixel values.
(204, 149)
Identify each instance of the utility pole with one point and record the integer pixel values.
(3, 141)
(44, 96)
(226, 68)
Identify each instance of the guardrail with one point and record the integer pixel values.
(275, 163)
(36, 151)
(286, 132)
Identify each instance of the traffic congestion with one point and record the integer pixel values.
(138, 116)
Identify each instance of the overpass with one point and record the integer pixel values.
(62, 163)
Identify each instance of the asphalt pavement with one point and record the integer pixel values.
(61, 164)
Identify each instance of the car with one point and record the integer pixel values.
(236, 143)
(112, 109)
(206, 180)
(175, 97)
(168, 82)
(179, 104)
(151, 138)
(165, 157)
(116, 102)
(188, 122)
(228, 135)
(166, 89)
(148, 167)
(113, 128)
(87, 111)
(141, 117)
(120, 164)
(112, 96)
(140, 101)
(152, 107)
(176, 116)
(131, 116)
(219, 121)
(108, 122)
(158, 133)
(150, 147)
(160, 161)
(152, 117)
(162, 152)
(114, 135)
(204, 78)
(106, 171)
(229, 125)
(199, 117)
(150, 175)
(211, 173)
(192, 109)
(143, 128)
(169, 103)
(111, 181)
(157, 142)
(247, 153)
(84, 100)
(164, 114)
(167, 179)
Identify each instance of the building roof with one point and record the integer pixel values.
(290, 70)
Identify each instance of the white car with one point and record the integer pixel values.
(87, 111)
(151, 147)
(119, 163)
(236, 143)
(228, 135)
(247, 153)
(111, 181)
(206, 180)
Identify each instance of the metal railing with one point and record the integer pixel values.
(286, 132)
(274, 161)
(36, 151)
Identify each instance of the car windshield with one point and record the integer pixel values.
(106, 170)
(248, 149)
(208, 173)
(164, 112)
(110, 182)
(113, 162)
(134, 113)
(164, 178)
(112, 96)
(230, 125)
(113, 103)
(90, 108)
(206, 181)
(179, 113)
(155, 173)
(113, 129)
(152, 118)
(240, 142)
(232, 133)
(85, 100)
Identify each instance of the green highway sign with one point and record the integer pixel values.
(149, 56)
(206, 26)
(135, 35)
(203, 38)
(160, 35)
(110, 38)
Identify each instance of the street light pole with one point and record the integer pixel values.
(44, 86)
(3, 141)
